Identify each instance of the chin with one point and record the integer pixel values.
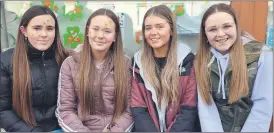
(156, 46)
(226, 48)
(43, 48)
(100, 49)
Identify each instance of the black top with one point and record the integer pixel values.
(44, 73)
(160, 63)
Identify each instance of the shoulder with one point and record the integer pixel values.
(253, 46)
(266, 55)
(69, 62)
(255, 51)
(6, 57)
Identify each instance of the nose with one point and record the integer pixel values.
(153, 32)
(100, 34)
(220, 32)
(43, 33)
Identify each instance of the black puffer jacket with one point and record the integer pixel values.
(44, 73)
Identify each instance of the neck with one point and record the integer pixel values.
(223, 52)
(99, 56)
(161, 52)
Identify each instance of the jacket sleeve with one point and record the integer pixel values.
(66, 111)
(125, 122)
(262, 96)
(187, 117)
(142, 120)
(8, 118)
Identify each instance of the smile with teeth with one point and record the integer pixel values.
(154, 39)
(222, 40)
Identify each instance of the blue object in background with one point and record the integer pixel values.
(58, 130)
(269, 41)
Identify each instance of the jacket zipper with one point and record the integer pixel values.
(43, 62)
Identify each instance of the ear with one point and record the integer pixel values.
(23, 30)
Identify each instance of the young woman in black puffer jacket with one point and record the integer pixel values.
(29, 74)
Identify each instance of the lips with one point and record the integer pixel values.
(222, 40)
(100, 42)
(154, 39)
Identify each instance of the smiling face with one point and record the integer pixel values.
(40, 32)
(157, 32)
(221, 31)
(101, 33)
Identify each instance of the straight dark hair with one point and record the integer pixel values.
(21, 89)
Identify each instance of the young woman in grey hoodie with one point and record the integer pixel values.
(234, 76)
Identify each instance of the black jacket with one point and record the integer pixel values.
(44, 73)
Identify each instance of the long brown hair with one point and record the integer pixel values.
(239, 79)
(21, 89)
(166, 86)
(87, 71)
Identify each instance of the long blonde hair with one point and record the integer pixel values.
(87, 71)
(166, 86)
(239, 79)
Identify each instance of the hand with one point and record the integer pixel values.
(106, 129)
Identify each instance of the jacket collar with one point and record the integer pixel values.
(252, 52)
(34, 54)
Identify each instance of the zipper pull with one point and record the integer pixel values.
(43, 54)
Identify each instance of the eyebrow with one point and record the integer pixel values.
(228, 23)
(222, 24)
(156, 24)
(37, 26)
(41, 26)
(96, 26)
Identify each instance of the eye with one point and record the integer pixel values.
(212, 29)
(159, 26)
(50, 28)
(107, 31)
(95, 29)
(227, 26)
(37, 28)
(147, 28)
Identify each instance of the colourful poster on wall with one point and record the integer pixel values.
(50, 4)
(73, 10)
(73, 37)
